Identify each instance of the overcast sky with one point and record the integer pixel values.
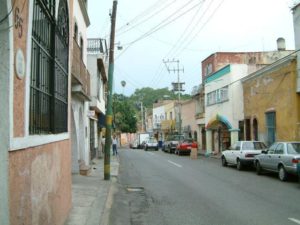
(186, 30)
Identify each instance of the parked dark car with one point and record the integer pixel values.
(185, 146)
(281, 158)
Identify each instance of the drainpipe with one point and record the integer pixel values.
(296, 18)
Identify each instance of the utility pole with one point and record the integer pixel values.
(108, 123)
(142, 116)
(176, 86)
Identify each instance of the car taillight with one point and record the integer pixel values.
(295, 161)
(250, 155)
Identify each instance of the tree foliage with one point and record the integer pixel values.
(149, 96)
(127, 109)
(124, 114)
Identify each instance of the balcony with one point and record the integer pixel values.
(200, 115)
(80, 75)
(168, 125)
(98, 46)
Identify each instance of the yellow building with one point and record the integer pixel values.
(271, 103)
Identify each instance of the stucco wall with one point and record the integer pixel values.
(233, 108)
(188, 110)
(82, 29)
(40, 184)
(158, 115)
(5, 83)
(274, 91)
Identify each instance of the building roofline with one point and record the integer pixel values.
(83, 8)
(271, 67)
(255, 52)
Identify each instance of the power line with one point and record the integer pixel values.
(10, 11)
(203, 26)
(182, 35)
(158, 27)
(165, 22)
(145, 20)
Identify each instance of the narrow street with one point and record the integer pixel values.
(159, 188)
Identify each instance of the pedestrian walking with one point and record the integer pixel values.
(114, 145)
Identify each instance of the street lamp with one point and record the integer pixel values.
(123, 83)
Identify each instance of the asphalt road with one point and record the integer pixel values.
(156, 188)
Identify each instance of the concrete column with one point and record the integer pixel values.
(208, 141)
(234, 134)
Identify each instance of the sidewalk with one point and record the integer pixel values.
(90, 194)
(209, 155)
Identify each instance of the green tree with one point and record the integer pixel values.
(124, 114)
(149, 96)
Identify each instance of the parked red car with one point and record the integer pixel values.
(185, 146)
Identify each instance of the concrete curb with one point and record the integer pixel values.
(108, 204)
(112, 190)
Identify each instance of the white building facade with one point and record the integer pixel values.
(224, 106)
(80, 126)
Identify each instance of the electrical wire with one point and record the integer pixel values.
(156, 28)
(188, 35)
(147, 19)
(184, 33)
(10, 11)
(145, 13)
(201, 28)
(165, 22)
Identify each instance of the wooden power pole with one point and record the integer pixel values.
(108, 123)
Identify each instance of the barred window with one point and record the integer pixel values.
(49, 68)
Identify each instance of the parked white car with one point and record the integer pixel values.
(281, 158)
(151, 143)
(242, 153)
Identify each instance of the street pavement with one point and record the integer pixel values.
(92, 195)
(156, 188)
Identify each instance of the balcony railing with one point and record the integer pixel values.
(97, 46)
(80, 75)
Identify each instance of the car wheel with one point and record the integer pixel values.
(258, 168)
(282, 174)
(224, 162)
(239, 165)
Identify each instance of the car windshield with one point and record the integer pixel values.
(178, 138)
(253, 146)
(152, 141)
(188, 141)
(293, 148)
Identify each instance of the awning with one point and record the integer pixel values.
(216, 119)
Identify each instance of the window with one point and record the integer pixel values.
(293, 148)
(75, 32)
(81, 47)
(279, 149)
(49, 68)
(271, 127)
(236, 146)
(272, 149)
(217, 96)
(208, 69)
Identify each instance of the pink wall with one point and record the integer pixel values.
(40, 184)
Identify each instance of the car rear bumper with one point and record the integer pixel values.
(248, 162)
